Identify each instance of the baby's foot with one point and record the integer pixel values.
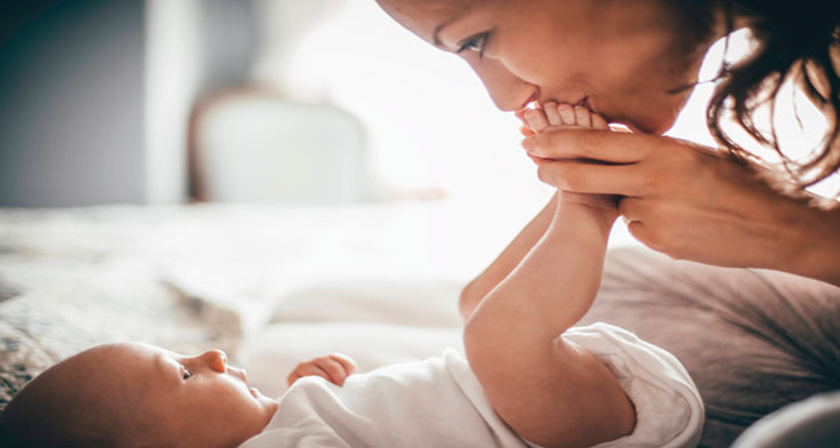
(560, 117)
(556, 117)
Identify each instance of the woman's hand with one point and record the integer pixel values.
(692, 202)
(334, 368)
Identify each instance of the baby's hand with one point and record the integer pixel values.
(334, 368)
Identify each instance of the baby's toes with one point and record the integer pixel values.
(583, 117)
(552, 114)
(598, 122)
(536, 119)
(567, 114)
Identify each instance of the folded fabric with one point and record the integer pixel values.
(669, 410)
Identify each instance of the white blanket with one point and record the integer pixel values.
(439, 402)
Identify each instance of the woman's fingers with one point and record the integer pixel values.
(614, 147)
(642, 220)
(584, 177)
(633, 209)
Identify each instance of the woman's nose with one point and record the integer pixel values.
(215, 359)
(509, 92)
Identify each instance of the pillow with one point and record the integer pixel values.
(423, 302)
(812, 422)
(752, 340)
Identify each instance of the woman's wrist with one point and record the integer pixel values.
(817, 252)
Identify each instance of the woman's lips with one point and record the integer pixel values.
(529, 102)
(583, 102)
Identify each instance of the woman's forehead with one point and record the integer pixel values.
(425, 6)
(421, 17)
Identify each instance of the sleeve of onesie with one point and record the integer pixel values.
(669, 410)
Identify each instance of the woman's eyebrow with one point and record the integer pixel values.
(441, 26)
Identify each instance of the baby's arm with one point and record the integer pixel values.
(551, 391)
(334, 368)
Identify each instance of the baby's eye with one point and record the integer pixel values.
(185, 374)
(476, 43)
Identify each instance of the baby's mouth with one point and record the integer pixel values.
(243, 375)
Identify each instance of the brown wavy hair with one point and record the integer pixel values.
(794, 42)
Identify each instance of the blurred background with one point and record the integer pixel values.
(265, 101)
(160, 102)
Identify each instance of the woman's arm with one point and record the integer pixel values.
(548, 390)
(507, 260)
(695, 203)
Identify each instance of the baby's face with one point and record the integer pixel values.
(184, 400)
(628, 61)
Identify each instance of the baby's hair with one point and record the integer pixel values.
(799, 42)
(9, 438)
(13, 436)
(45, 415)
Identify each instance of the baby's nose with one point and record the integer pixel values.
(216, 359)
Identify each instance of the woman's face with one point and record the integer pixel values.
(627, 60)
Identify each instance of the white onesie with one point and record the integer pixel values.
(439, 402)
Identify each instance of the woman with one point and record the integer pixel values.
(753, 339)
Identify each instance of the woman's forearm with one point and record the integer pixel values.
(477, 289)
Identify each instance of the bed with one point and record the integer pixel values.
(275, 285)
(270, 285)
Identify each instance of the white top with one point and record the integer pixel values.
(439, 402)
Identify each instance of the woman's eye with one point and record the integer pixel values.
(477, 43)
(186, 374)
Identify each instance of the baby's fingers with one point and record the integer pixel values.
(307, 369)
(336, 371)
(347, 362)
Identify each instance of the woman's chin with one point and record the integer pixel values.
(649, 127)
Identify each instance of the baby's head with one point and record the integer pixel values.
(138, 395)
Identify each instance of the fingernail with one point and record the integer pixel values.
(529, 143)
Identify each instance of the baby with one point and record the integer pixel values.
(528, 378)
